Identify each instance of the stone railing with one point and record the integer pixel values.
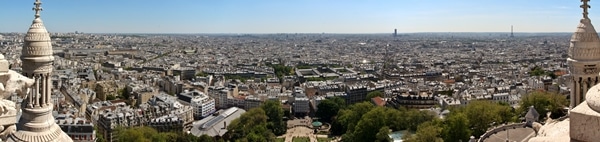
(562, 118)
(500, 128)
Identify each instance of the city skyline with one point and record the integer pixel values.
(308, 16)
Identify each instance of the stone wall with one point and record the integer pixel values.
(500, 128)
(584, 124)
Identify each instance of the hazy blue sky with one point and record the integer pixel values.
(296, 16)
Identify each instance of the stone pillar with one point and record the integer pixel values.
(37, 92)
(572, 93)
(48, 90)
(44, 90)
(577, 91)
(585, 89)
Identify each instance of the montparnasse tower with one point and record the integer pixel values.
(36, 122)
(584, 58)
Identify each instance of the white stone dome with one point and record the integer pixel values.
(38, 46)
(592, 97)
(585, 44)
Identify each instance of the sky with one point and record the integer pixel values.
(296, 16)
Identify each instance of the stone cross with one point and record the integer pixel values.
(585, 7)
(37, 8)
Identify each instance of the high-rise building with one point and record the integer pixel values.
(511, 31)
(36, 122)
(584, 58)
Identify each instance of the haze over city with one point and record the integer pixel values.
(306, 16)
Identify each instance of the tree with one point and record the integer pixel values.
(203, 138)
(427, 132)
(366, 128)
(281, 70)
(383, 135)
(456, 128)
(328, 108)
(99, 136)
(340, 101)
(544, 102)
(250, 126)
(536, 71)
(396, 119)
(110, 97)
(348, 118)
(149, 134)
(374, 94)
(275, 114)
(123, 93)
(140, 134)
(413, 118)
(483, 114)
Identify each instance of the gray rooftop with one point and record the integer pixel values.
(215, 125)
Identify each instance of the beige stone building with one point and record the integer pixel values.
(106, 88)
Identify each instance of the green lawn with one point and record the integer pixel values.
(280, 140)
(301, 139)
(323, 139)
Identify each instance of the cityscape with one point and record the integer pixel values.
(492, 86)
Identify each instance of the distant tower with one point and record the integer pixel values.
(584, 58)
(36, 122)
(395, 32)
(511, 31)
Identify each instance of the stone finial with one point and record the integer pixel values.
(37, 8)
(3, 64)
(585, 7)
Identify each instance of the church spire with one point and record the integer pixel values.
(585, 7)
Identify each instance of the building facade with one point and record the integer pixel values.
(203, 104)
(79, 129)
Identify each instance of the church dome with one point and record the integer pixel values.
(585, 44)
(38, 46)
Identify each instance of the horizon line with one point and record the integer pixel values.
(278, 33)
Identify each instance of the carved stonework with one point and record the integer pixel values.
(38, 68)
(11, 82)
(589, 70)
(585, 37)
